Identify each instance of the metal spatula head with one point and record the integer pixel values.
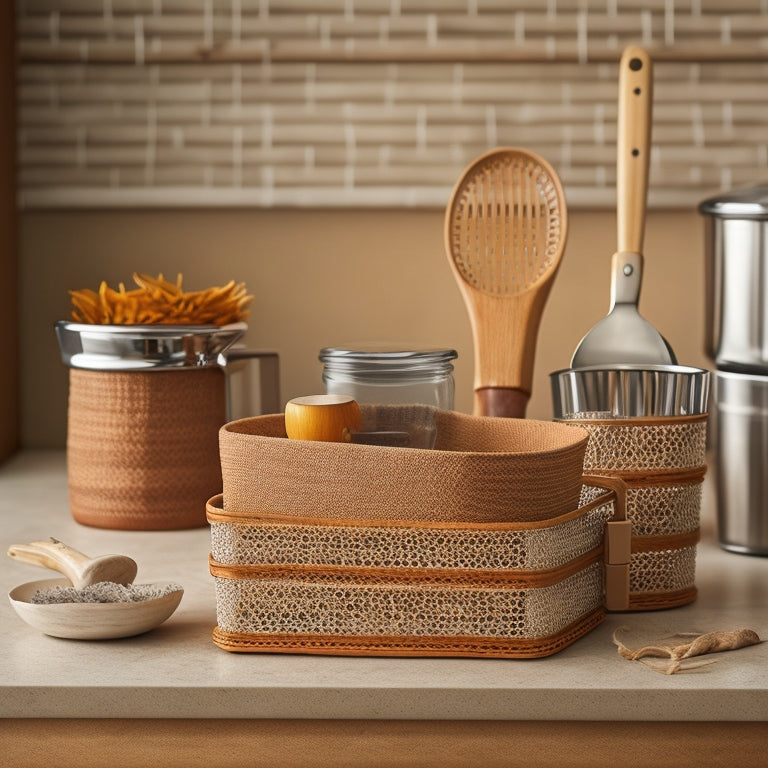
(624, 336)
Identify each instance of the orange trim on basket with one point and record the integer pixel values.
(663, 543)
(444, 576)
(216, 513)
(408, 645)
(654, 601)
(658, 477)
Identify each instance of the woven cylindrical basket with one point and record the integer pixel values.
(142, 446)
(662, 462)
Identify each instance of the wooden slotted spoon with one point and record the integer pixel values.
(505, 230)
(624, 336)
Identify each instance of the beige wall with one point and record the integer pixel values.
(334, 277)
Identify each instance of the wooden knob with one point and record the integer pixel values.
(329, 418)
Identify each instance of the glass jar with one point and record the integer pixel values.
(391, 375)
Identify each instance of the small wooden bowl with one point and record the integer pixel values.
(91, 621)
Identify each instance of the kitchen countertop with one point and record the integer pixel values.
(176, 671)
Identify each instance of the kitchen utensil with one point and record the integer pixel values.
(505, 231)
(93, 621)
(629, 391)
(741, 457)
(80, 569)
(331, 418)
(736, 262)
(624, 336)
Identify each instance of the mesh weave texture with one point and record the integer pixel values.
(662, 461)
(329, 586)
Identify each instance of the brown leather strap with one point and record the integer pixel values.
(413, 576)
(663, 543)
(215, 513)
(657, 478)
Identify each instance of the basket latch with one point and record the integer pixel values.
(618, 545)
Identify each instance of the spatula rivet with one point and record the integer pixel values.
(628, 269)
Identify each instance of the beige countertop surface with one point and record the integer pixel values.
(175, 671)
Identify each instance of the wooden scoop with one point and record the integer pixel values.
(80, 569)
(505, 230)
(328, 418)
(624, 336)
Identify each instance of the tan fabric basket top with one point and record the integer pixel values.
(480, 470)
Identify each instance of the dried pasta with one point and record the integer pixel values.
(159, 301)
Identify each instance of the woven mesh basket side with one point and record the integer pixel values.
(645, 445)
(399, 645)
(664, 510)
(662, 462)
(142, 446)
(378, 587)
(270, 540)
(306, 602)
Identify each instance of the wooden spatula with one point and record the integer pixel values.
(505, 231)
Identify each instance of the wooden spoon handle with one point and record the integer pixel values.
(80, 569)
(633, 147)
(51, 554)
(507, 402)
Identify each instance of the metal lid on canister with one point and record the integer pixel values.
(747, 203)
(144, 347)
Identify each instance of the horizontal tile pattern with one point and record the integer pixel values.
(375, 102)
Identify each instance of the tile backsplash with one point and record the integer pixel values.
(374, 102)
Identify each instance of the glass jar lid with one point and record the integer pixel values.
(381, 358)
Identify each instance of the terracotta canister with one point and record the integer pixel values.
(145, 407)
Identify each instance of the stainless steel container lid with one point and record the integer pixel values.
(629, 391)
(144, 347)
(749, 203)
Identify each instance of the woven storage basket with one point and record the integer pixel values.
(481, 470)
(142, 446)
(662, 462)
(395, 588)
(486, 545)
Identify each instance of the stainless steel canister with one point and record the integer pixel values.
(736, 269)
(629, 391)
(741, 440)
